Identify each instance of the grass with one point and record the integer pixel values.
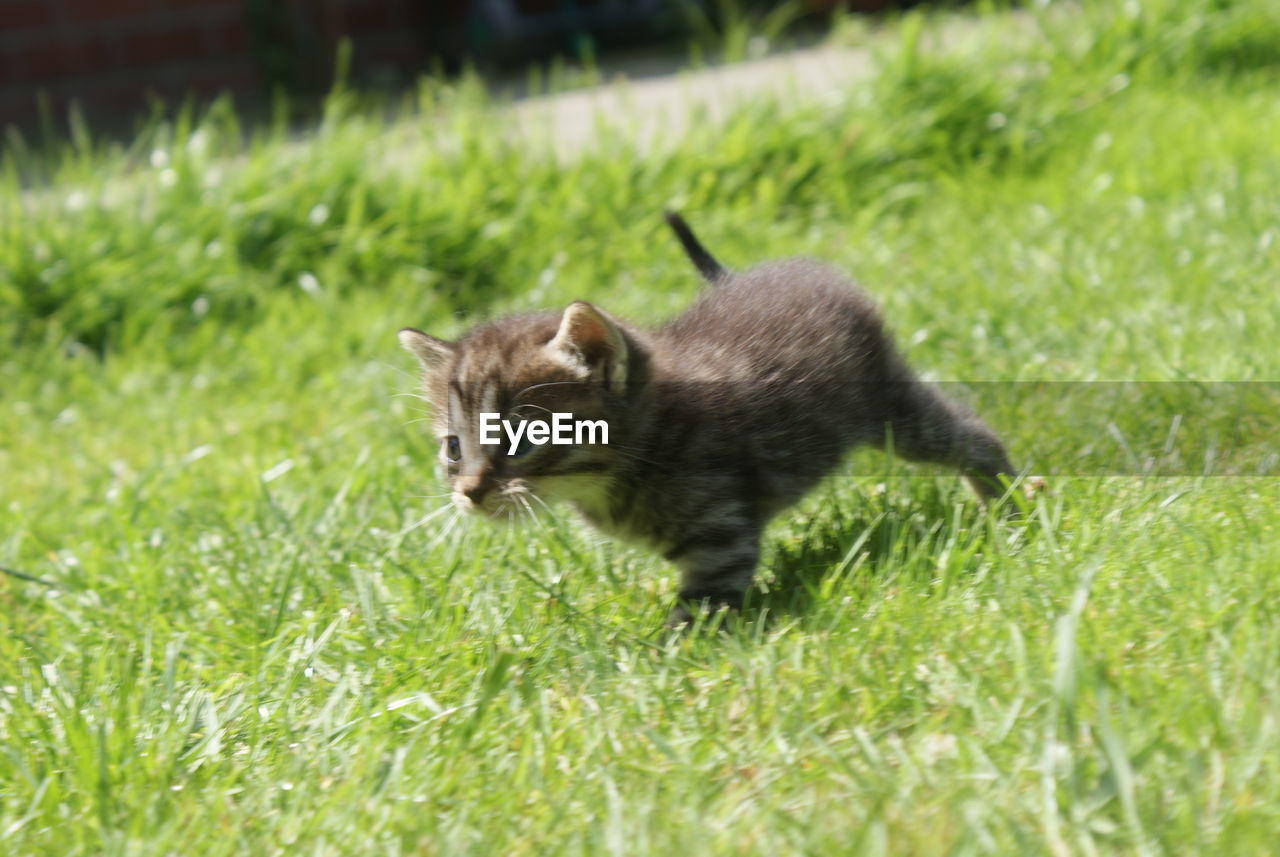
(248, 648)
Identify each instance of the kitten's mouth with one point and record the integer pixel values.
(506, 506)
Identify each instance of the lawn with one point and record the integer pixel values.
(242, 641)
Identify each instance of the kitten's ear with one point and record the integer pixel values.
(432, 353)
(590, 339)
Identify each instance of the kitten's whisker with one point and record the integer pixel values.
(544, 505)
(551, 513)
(528, 509)
(430, 516)
(532, 387)
(399, 369)
(530, 405)
(448, 528)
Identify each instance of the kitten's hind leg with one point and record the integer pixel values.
(928, 427)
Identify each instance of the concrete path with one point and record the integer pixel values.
(660, 107)
(654, 99)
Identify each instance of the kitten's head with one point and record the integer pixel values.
(526, 369)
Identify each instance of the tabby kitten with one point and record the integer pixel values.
(717, 420)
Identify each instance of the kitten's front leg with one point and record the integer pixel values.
(716, 567)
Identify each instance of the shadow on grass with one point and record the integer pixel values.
(858, 546)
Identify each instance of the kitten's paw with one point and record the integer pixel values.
(1021, 497)
(1033, 485)
(705, 615)
(679, 620)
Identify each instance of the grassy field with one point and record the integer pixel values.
(244, 646)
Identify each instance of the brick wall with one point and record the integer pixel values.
(384, 34)
(111, 55)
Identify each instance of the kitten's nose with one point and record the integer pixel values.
(473, 488)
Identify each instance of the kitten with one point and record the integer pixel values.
(717, 420)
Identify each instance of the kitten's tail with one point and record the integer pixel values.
(711, 270)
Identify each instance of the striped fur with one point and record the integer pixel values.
(718, 420)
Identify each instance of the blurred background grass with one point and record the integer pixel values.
(202, 222)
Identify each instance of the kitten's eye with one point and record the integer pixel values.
(452, 448)
(523, 447)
